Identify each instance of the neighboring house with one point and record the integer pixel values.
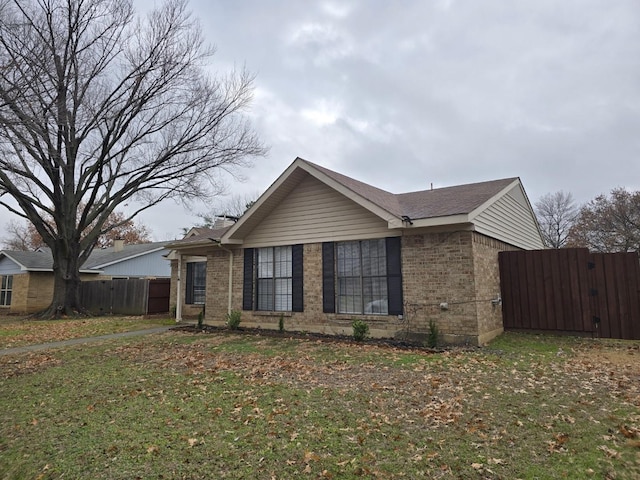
(27, 277)
(320, 249)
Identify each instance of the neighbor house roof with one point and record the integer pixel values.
(104, 257)
(199, 237)
(42, 260)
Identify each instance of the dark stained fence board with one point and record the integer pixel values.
(130, 296)
(96, 296)
(159, 293)
(571, 290)
(633, 285)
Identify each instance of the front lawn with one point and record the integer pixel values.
(20, 331)
(227, 405)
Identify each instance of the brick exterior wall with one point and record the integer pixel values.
(438, 268)
(456, 268)
(31, 293)
(485, 253)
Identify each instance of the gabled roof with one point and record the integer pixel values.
(497, 208)
(104, 257)
(460, 204)
(42, 260)
(203, 236)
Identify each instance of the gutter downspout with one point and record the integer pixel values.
(179, 290)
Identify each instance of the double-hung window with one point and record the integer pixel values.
(6, 290)
(196, 287)
(362, 277)
(274, 278)
(361, 273)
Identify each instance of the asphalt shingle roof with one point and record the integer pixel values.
(42, 259)
(437, 202)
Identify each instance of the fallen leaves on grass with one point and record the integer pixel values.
(11, 365)
(18, 333)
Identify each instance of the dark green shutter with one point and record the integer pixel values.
(328, 278)
(247, 280)
(189, 285)
(297, 302)
(394, 275)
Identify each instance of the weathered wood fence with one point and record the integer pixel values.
(571, 290)
(126, 296)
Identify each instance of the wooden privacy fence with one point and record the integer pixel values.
(134, 296)
(571, 290)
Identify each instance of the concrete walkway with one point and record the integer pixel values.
(80, 341)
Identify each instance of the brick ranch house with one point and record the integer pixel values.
(320, 249)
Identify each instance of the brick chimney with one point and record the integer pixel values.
(118, 245)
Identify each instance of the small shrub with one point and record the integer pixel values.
(432, 339)
(200, 318)
(281, 323)
(360, 330)
(233, 319)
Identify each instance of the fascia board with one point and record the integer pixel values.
(226, 238)
(436, 221)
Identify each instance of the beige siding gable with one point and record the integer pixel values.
(511, 220)
(314, 212)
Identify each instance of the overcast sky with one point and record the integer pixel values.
(402, 94)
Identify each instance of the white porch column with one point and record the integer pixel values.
(179, 290)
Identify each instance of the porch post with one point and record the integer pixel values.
(179, 290)
(229, 304)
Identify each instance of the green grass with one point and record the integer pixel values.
(224, 405)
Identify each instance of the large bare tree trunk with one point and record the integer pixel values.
(66, 286)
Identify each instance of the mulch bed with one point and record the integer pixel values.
(341, 339)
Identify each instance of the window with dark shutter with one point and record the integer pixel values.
(363, 277)
(394, 275)
(247, 280)
(297, 302)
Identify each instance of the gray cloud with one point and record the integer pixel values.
(402, 94)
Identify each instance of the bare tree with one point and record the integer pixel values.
(609, 223)
(556, 213)
(24, 236)
(234, 206)
(99, 107)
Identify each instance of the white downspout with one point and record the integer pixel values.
(179, 290)
(230, 280)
